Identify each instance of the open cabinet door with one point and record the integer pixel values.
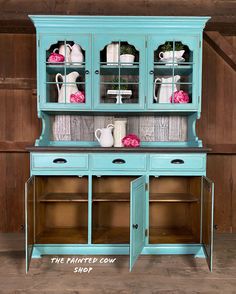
(137, 218)
(29, 219)
(207, 219)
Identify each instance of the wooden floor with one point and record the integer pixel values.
(151, 274)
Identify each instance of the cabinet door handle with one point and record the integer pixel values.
(97, 72)
(151, 72)
(177, 161)
(135, 226)
(60, 160)
(118, 161)
(87, 72)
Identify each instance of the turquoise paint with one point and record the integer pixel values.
(145, 33)
(137, 218)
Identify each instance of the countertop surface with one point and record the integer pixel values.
(120, 150)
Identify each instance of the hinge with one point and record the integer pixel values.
(146, 43)
(146, 187)
(198, 99)
(200, 43)
(146, 232)
(38, 42)
(145, 100)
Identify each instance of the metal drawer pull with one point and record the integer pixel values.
(177, 161)
(60, 160)
(135, 226)
(118, 161)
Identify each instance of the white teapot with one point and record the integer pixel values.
(105, 138)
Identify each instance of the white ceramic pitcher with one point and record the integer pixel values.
(104, 136)
(66, 89)
(119, 132)
(165, 88)
(64, 50)
(76, 54)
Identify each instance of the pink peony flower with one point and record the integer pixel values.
(180, 97)
(55, 57)
(131, 140)
(77, 97)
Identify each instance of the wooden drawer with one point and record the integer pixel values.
(119, 161)
(178, 162)
(59, 161)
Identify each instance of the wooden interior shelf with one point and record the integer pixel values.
(171, 236)
(111, 235)
(63, 235)
(64, 197)
(116, 197)
(172, 197)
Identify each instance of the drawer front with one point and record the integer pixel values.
(59, 161)
(178, 162)
(113, 162)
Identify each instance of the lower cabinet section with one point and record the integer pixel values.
(119, 215)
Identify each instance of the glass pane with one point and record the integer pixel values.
(65, 73)
(119, 73)
(172, 74)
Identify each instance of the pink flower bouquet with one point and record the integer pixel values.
(55, 57)
(180, 97)
(131, 140)
(77, 97)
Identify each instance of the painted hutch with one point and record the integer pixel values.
(85, 199)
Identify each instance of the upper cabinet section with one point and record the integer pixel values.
(173, 72)
(65, 72)
(119, 64)
(119, 72)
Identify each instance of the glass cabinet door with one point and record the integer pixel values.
(173, 73)
(65, 72)
(119, 72)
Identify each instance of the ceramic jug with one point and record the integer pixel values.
(165, 88)
(76, 54)
(119, 132)
(64, 50)
(66, 90)
(104, 136)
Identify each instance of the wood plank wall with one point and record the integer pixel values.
(19, 127)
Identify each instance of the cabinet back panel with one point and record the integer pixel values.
(148, 128)
(169, 184)
(111, 214)
(116, 184)
(62, 184)
(65, 215)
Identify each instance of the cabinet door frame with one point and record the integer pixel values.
(192, 41)
(44, 43)
(137, 218)
(100, 41)
(208, 220)
(29, 226)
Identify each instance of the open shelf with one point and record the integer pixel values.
(108, 235)
(171, 235)
(63, 235)
(172, 197)
(116, 197)
(64, 197)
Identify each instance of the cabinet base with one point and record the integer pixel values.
(74, 249)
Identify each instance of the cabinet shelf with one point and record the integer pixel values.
(65, 197)
(63, 235)
(114, 70)
(171, 235)
(113, 235)
(116, 197)
(61, 68)
(168, 69)
(172, 197)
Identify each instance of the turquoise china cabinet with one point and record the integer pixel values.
(85, 199)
